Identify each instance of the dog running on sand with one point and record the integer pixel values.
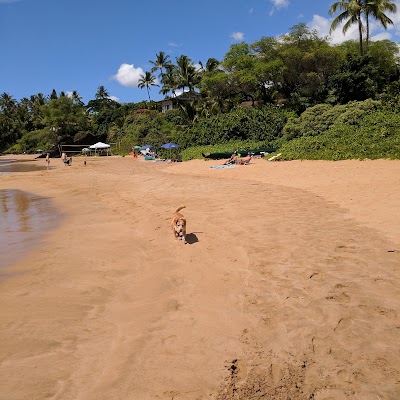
(178, 224)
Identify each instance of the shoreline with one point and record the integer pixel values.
(26, 220)
(286, 272)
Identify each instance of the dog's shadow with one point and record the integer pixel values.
(191, 238)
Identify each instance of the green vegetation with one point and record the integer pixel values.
(310, 98)
(375, 135)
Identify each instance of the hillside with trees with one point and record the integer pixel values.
(310, 98)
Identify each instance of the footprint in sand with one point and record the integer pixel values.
(338, 297)
(343, 323)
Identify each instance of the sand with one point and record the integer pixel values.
(289, 287)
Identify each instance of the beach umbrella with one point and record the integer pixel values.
(136, 147)
(170, 146)
(39, 151)
(146, 146)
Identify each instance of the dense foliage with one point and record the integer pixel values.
(374, 135)
(262, 125)
(302, 94)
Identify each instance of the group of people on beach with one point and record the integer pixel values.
(237, 159)
(65, 159)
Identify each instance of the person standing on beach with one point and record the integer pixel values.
(48, 160)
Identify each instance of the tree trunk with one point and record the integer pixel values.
(367, 38)
(360, 34)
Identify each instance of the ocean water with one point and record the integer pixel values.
(24, 221)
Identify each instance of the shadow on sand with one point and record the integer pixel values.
(192, 238)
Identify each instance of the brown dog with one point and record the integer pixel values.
(178, 224)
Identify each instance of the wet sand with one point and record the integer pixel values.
(25, 219)
(20, 164)
(288, 288)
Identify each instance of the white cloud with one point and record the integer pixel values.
(173, 44)
(251, 11)
(278, 4)
(128, 75)
(114, 98)
(322, 26)
(381, 36)
(178, 92)
(69, 94)
(239, 36)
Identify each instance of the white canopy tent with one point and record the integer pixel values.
(100, 146)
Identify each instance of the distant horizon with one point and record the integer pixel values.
(74, 46)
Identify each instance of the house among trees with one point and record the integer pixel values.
(173, 102)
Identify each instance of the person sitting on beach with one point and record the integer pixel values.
(67, 160)
(232, 160)
(245, 160)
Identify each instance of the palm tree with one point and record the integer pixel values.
(146, 81)
(169, 80)
(162, 61)
(377, 9)
(350, 11)
(76, 98)
(102, 93)
(36, 102)
(212, 65)
(10, 123)
(186, 73)
(53, 95)
(7, 102)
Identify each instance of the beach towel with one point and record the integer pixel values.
(274, 157)
(224, 166)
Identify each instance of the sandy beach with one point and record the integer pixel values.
(289, 287)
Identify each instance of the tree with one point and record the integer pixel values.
(186, 73)
(64, 119)
(162, 61)
(169, 80)
(147, 80)
(9, 121)
(350, 13)
(356, 79)
(102, 113)
(102, 93)
(76, 98)
(53, 95)
(211, 66)
(308, 62)
(377, 9)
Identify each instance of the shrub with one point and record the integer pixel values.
(376, 135)
(240, 124)
(316, 120)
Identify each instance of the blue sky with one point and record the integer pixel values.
(82, 44)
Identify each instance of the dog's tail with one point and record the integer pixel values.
(180, 208)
